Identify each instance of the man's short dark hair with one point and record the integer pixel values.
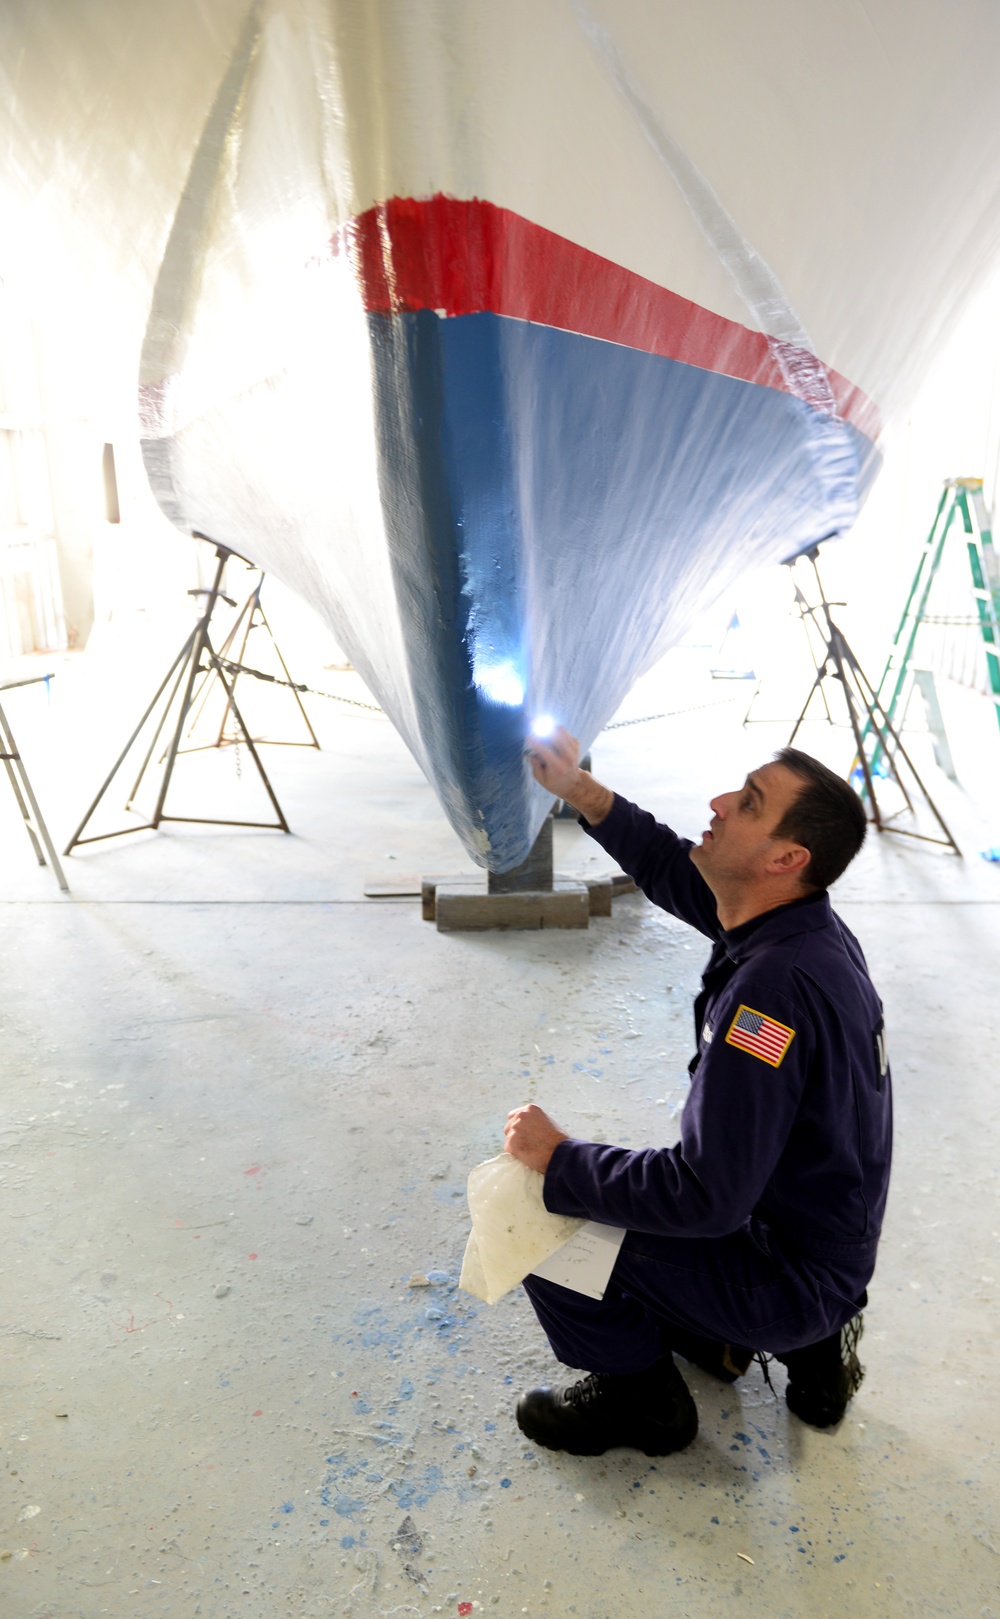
(827, 818)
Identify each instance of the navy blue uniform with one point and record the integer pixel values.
(760, 1226)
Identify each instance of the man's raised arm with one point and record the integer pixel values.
(654, 856)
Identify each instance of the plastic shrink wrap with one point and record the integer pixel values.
(508, 334)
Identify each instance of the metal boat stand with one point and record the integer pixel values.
(251, 617)
(530, 896)
(27, 803)
(838, 662)
(183, 672)
(809, 627)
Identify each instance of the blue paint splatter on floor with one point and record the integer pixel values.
(345, 1506)
(417, 1489)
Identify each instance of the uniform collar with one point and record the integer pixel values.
(803, 915)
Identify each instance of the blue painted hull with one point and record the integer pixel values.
(557, 509)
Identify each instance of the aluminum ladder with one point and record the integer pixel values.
(960, 498)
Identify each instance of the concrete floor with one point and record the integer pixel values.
(241, 1104)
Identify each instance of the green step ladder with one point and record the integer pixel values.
(961, 498)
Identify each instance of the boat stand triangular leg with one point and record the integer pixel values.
(27, 803)
(195, 658)
(233, 659)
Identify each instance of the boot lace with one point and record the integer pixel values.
(764, 1361)
(854, 1372)
(850, 1337)
(587, 1392)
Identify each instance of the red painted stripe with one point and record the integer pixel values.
(466, 257)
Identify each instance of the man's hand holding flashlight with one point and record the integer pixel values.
(555, 762)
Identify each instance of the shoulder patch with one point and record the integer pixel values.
(762, 1036)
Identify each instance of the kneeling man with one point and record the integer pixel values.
(757, 1231)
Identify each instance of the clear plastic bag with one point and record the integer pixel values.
(512, 1230)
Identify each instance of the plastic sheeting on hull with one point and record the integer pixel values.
(718, 193)
(552, 507)
(575, 498)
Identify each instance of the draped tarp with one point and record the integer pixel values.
(507, 334)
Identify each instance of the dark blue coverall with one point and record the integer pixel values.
(759, 1228)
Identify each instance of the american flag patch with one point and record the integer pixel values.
(760, 1035)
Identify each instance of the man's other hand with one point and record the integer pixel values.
(555, 762)
(532, 1137)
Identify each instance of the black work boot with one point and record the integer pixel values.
(823, 1378)
(725, 1361)
(651, 1411)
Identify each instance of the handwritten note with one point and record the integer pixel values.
(585, 1263)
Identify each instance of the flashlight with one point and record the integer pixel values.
(543, 726)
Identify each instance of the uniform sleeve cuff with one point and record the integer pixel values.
(557, 1194)
(610, 829)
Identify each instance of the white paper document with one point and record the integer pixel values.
(585, 1262)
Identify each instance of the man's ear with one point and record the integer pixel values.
(792, 860)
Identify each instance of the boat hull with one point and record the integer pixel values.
(560, 510)
(537, 512)
(508, 468)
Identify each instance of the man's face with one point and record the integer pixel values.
(740, 841)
